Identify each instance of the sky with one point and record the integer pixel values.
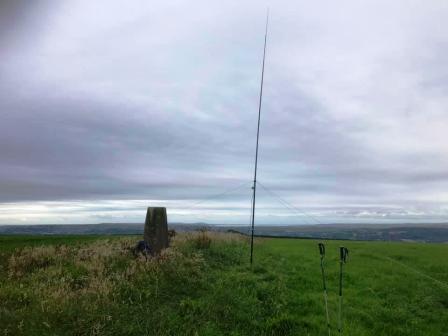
(108, 107)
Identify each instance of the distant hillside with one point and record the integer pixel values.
(88, 229)
(436, 233)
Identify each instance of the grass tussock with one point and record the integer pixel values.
(202, 240)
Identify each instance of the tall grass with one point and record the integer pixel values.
(101, 288)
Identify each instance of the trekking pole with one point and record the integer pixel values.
(343, 259)
(322, 255)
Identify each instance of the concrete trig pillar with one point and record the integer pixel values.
(156, 229)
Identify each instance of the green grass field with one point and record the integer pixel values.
(203, 285)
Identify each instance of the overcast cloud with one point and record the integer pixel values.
(107, 107)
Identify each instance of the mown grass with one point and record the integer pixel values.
(386, 286)
(203, 285)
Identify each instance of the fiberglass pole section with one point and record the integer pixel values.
(254, 187)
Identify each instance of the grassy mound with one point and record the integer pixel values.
(203, 285)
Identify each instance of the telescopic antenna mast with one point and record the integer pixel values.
(254, 187)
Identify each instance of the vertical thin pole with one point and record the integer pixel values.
(340, 298)
(322, 256)
(343, 258)
(254, 187)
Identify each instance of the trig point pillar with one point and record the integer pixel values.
(156, 229)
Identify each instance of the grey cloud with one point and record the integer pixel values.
(160, 103)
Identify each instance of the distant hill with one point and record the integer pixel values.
(381, 232)
(431, 233)
(88, 229)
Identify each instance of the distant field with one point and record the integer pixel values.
(203, 285)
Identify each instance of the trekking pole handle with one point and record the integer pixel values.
(322, 250)
(343, 254)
